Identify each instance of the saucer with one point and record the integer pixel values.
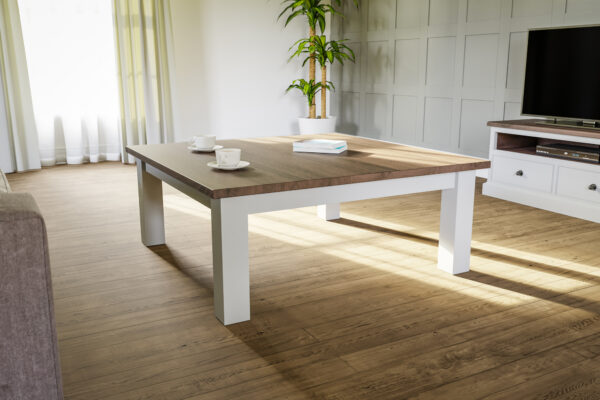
(242, 164)
(205, 150)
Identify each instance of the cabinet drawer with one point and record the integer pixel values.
(528, 174)
(579, 184)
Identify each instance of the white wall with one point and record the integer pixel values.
(433, 72)
(231, 69)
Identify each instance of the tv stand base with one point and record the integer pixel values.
(520, 174)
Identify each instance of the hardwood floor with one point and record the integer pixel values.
(352, 309)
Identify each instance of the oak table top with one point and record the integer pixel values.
(274, 167)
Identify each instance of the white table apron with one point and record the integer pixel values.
(230, 223)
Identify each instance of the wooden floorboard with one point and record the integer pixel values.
(347, 309)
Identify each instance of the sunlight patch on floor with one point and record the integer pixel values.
(521, 255)
(418, 263)
(429, 275)
(277, 224)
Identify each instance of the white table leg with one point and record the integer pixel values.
(329, 212)
(152, 220)
(456, 224)
(231, 274)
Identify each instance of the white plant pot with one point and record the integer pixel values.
(316, 125)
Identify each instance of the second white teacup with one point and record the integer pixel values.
(228, 157)
(204, 142)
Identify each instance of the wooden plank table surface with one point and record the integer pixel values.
(274, 167)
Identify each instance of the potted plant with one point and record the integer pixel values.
(317, 49)
(323, 52)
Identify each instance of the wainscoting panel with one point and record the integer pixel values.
(512, 110)
(517, 52)
(433, 72)
(379, 63)
(531, 8)
(480, 61)
(582, 11)
(438, 121)
(409, 14)
(377, 109)
(350, 112)
(440, 61)
(406, 71)
(483, 10)
(474, 114)
(404, 120)
(351, 76)
(443, 12)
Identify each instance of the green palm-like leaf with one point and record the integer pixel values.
(323, 51)
(308, 88)
(313, 10)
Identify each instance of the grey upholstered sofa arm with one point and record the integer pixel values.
(29, 363)
(17, 206)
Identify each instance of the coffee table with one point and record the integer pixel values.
(278, 179)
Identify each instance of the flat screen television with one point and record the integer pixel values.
(562, 74)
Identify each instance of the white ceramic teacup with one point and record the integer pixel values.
(228, 157)
(204, 142)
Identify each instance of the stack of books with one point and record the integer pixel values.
(320, 146)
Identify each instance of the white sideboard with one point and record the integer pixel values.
(520, 175)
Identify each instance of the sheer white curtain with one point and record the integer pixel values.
(144, 58)
(18, 135)
(70, 48)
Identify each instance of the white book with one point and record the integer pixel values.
(324, 144)
(318, 150)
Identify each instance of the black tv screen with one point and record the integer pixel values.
(562, 75)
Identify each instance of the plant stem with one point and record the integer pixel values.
(324, 91)
(312, 111)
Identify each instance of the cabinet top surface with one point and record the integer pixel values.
(534, 125)
(275, 167)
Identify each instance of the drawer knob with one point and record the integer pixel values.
(519, 172)
(593, 187)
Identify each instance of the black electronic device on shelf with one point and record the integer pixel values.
(570, 152)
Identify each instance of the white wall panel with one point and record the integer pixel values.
(582, 11)
(480, 61)
(405, 119)
(581, 7)
(517, 54)
(351, 20)
(512, 110)
(406, 71)
(376, 114)
(531, 8)
(440, 61)
(378, 63)
(381, 15)
(443, 12)
(351, 75)
(435, 71)
(438, 122)
(475, 114)
(350, 113)
(408, 13)
(483, 10)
